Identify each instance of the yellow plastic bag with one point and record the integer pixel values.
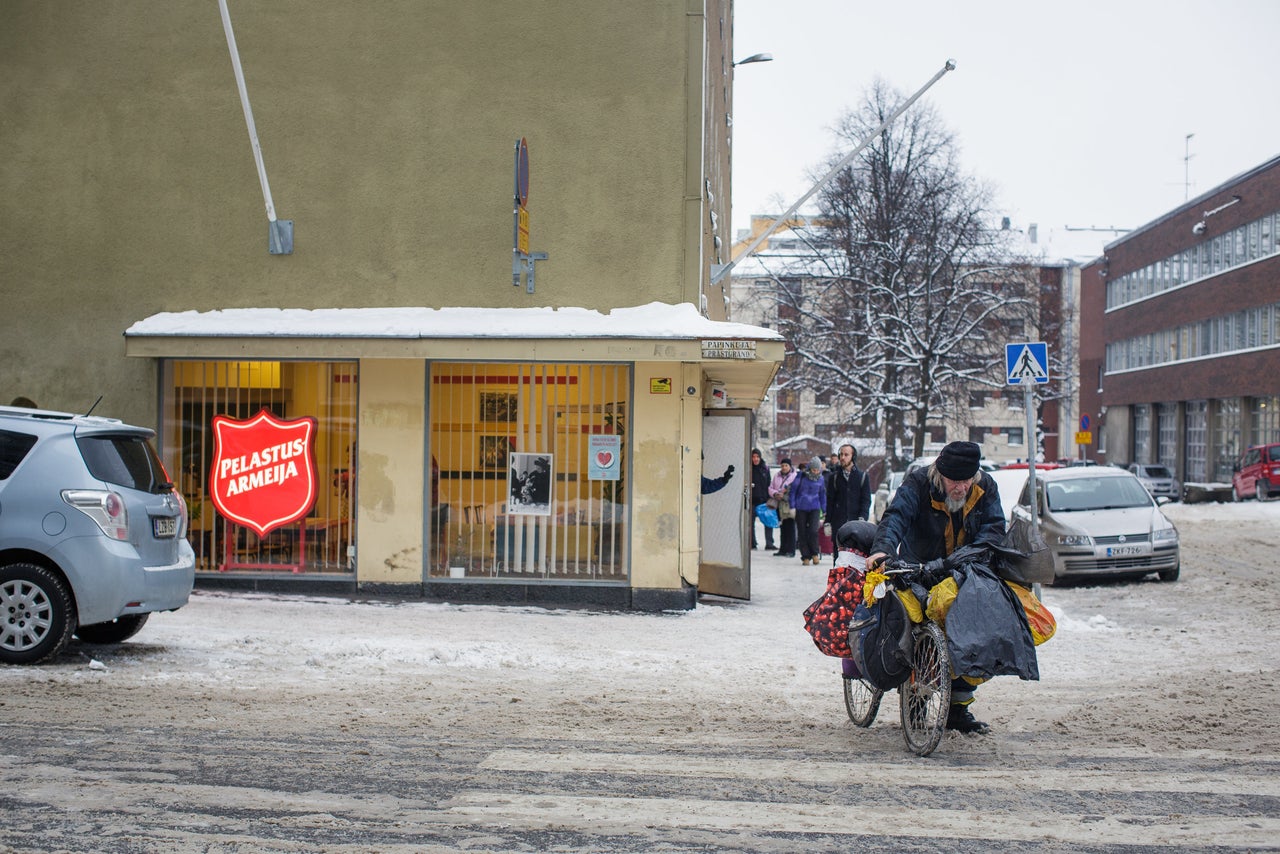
(1041, 620)
(874, 579)
(940, 599)
(912, 604)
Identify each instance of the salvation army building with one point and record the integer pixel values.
(508, 454)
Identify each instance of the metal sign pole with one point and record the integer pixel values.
(1028, 405)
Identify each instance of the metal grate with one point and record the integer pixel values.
(195, 391)
(498, 430)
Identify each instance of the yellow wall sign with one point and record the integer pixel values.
(660, 385)
(522, 231)
(1084, 437)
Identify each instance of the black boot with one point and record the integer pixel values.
(960, 719)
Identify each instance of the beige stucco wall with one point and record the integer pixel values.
(128, 185)
(391, 475)
(657, 472)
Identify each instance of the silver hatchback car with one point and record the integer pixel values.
(92, 533)
(1100, 521)
(1158, 480)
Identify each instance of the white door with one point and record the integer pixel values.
(725, 568)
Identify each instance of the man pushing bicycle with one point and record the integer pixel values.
(936, 510)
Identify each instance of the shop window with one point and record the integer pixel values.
(195, 392)
(529, 471)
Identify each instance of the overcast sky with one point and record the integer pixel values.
(1077, 112)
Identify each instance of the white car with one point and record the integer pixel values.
(884, 493)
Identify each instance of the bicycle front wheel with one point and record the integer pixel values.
(861, 701)
(926, 695)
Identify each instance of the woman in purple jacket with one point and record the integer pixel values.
(809, 498)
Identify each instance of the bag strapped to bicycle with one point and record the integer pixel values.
(880, 640)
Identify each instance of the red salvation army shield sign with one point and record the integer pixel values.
(264, 474)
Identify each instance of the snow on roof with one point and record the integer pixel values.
(655, 320)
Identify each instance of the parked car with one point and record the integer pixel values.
(1010, 482)
(884, 493)
(1257, 474)
(92, 533)
(1158, 480)
(1101, 521)
(920, 462)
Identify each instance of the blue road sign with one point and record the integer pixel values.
(1027, 362)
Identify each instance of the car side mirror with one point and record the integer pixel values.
(1235, 466)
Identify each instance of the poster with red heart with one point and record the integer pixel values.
(604, 457)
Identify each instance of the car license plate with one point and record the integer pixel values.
(1116, 551)
(164, 526)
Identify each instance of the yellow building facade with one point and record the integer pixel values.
(409, 151)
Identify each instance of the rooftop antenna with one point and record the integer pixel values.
(95, 406)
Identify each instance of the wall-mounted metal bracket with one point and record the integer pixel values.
(280, 237)
(526, 263)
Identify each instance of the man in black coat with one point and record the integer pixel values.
(848, 491)
(760, 477)
(935, 511)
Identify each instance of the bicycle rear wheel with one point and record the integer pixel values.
(861, 701)
(926, 695)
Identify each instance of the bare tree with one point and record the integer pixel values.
(902, 304)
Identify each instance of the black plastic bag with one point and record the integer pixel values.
(987, 630)
(1024, 557)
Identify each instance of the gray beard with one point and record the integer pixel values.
(955, 505)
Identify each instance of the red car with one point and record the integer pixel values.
(1257, 475)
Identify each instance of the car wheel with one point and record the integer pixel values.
(1170, 574)
(1261, 492)
(37, 616)
(119, 629)
(1235, 494)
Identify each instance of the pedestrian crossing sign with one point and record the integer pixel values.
(1027, 362)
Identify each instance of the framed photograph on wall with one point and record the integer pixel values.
(529, 487)
(494, 451)
(498, 406)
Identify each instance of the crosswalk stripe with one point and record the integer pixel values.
(607, 815)
(901, 774)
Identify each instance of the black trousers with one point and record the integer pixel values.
(787, 539)
(768, 534)
(807, 522)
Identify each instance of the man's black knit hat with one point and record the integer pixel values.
(959, 460)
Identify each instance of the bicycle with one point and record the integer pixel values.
(925, 698)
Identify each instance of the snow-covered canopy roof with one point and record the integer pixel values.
(655, 320)
(657, 332)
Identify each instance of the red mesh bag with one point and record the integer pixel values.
(827, 619)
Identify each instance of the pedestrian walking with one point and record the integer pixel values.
(779, 488)
(848, 491)
(809, 498)
(760, 479)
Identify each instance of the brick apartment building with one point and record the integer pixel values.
(1180, 333)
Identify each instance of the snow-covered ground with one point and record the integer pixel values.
(1170, 690)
